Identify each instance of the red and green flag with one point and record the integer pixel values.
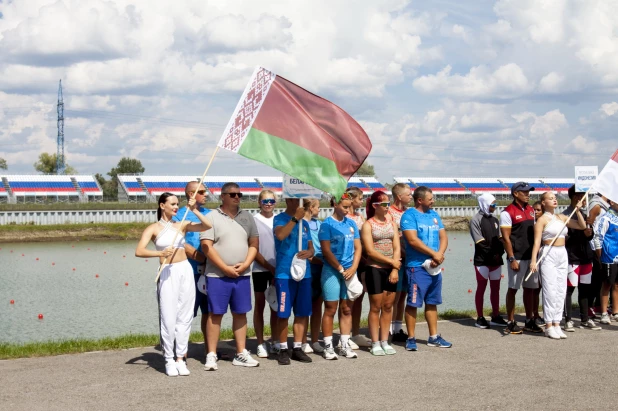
(284, 126)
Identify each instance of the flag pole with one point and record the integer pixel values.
(300, 230)
(187, 211)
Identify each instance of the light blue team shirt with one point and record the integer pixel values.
(427, 226)
(287, 249)
(314, 226)
(341, 235)
(193, 238)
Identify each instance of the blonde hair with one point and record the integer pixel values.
(307, 204)
(264, 192)
(399, 188)
(354, 192)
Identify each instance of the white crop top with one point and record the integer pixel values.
(554, 227)
(166, 236)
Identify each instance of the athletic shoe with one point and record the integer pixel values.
(284, 357)
(244, 359)
(560, 333)
(589, 325)
(568, 327)
(361, 341)
(498, 321)
(262, 350)
(211, 362)
(551, 333)
(411, 344)
(317, 348)
(389, 350)
(614, 317)
(481, 322)
(604, 319)
(181, 366)
(351, 343)
(307, 348)
(438, 342)
(531, 327)
(512, 328)
(539, 321)
(170, 368)
(348, 351)
(329, 353)
(274, 352)
(377, 350)
(400, 336)
(299, 355)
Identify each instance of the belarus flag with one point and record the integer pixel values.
(607, 181)
(297, 132)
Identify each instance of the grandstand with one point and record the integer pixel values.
(539, 187)
(41, 188)
(248, 185)
(357, 182)
(275, 184)
(157, 185)
(484, 185)
(375, 185)
(559, 185)
(440, 186)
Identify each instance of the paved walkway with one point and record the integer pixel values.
(484, 370)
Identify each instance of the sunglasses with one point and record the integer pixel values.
(201, 192)
(385, 204)
(234, 195)
(493, 205)
(268, 201)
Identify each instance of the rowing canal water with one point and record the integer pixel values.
(99, 289)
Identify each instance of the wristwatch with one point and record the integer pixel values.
(341, 270)
(294, 220)
(511, 259)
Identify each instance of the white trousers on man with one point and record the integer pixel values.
(554, 269)
(176, 291)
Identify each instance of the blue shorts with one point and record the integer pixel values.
(316, 281)
(333, 284)
(292, 293)
(423, 287)
(201, 300)
(402, 283)
(232, 292)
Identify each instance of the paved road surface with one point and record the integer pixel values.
(484, 370)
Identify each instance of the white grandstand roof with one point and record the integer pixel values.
(169, 178)
(559, 180)
(271, 179)
(236, 179)
(371, 180)
(434, 179)
(478, 180)
(524, 179)
(405, 180)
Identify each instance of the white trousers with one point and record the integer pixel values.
(176, 290)
(554, 270)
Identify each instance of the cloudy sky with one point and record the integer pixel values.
(507, 88)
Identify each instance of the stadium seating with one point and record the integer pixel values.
(357, 182)
(483, 185)
(131, 185)
(157, 185)
(559, 185)
(248, 185)
(405, 180)
(539, 187)
(375, 185)
(88, 185)
(42, 185)
(440, 185)
(275, 184)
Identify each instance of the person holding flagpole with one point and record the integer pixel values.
(341, 250)
(554, 265)
(606, 248)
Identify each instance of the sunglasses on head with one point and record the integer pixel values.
(200, 192)
(268, 201)
(383, 204)
(234, 195)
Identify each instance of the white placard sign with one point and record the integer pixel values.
(295, 188)
(585, 176)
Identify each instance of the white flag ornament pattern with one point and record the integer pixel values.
(607, 181)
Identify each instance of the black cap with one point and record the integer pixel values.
(521, 186)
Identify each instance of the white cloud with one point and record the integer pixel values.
(583, 145)
(609, 109)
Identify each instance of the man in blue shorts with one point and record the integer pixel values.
(230, 247)
(426, 241)
(196, 257)
(292, 292)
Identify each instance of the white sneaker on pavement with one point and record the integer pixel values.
(170, 368)
(560, 333)
(244, 359)
(211, 362)
(551, 333)
(181, 366)
(329, 353)
(262, 350)
(306, 348)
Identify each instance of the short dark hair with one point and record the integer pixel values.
(227, 186)
(572, 192)
(420, 192)
(162, 200)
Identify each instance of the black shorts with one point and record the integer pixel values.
(377, 280)
(316, 281)
(261, 281)
(609, 272)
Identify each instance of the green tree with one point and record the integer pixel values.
(366, 170)
(110, 190)
(3, 165)
(126, 165)
(47, 164)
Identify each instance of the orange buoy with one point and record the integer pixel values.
(53, 263)
(104, 252)
(72, 246)
(73, 269)
(12, 301)
(470, 260)
(40, 316)
(37, 258)
(88, 249)
(146, 260)
(469, 291)
(96, 276)
(126, 284)
(124, 256)
(22, 255)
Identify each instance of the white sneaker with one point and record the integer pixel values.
(568, 327)
(306, 348)
(551, 333)
(560, 333)
(170, 368)
(329, 353)
(244, 359)
(348, 352)
(262, 350)
(350, 343)
(211, 362)
(361, 341)
(604, 319)
(317, 348)
(181, 366)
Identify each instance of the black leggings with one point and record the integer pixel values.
(582, 300)
(594, 290)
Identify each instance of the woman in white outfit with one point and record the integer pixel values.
(554, 266)
(176, 286)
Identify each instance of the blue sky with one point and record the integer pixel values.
(504, 88)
